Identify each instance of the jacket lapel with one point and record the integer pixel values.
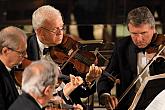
(33, 48)
(133, 56)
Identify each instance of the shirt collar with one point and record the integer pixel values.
(41, 45)
(9, 69)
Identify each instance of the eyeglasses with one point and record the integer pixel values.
(55, 30)
(21, 53)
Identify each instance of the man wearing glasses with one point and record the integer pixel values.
(49, 31)
(12, 51)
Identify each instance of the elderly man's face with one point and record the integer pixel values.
(51, 33)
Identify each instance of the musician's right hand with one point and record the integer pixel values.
(109, 101)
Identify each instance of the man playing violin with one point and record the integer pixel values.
(129, 57)
(12, 52)
(49, 31)
(38, 83)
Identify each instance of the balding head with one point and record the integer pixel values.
(39, 75)
(12, 37)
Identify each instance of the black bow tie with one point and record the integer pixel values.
(140, 50)
(45, 51)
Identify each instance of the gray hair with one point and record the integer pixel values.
(10, 37)
(38, 75)
(141, 15)
(42, 14)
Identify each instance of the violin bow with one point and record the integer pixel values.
(72, 55)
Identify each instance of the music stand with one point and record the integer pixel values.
(99, 48)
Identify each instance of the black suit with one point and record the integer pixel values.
(123, 63)
(25, 102)
(33, 48)
(8, 91)
(33, 54)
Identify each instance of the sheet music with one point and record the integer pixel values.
(158, 102)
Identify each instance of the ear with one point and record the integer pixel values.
(5, 50)
(47, 90)
(39, 31)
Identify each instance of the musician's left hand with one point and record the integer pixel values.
(94, 73)
(75, 81)
(150, 56)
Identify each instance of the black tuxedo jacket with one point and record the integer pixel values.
(33, 48)
(123, 64)
(25, 102)
(8, 91)
(78, 93)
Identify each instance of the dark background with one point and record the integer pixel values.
(97, 11)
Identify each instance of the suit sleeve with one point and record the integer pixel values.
(105, 84)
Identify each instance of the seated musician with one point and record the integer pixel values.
(12, 52)
(38, 83)
(49, 31)
(129, 57)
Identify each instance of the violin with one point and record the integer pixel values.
(17, 71)
(60, 54)
(69, 51)
(157, 41)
